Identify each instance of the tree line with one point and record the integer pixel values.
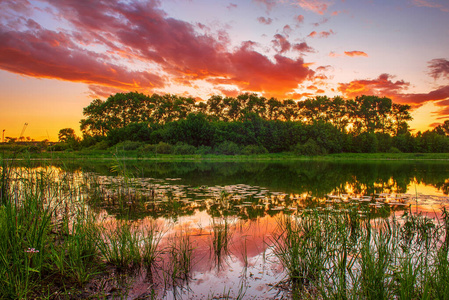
(314, 126)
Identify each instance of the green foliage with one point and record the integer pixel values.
(365, 124)
(164, 148)
(309, 148)
(227, 148)
(183, 149)
(128, 146)
(254, 149)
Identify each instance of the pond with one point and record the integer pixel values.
(219, 223)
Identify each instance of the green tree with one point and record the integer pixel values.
(66, 134)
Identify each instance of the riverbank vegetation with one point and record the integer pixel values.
(246, 125)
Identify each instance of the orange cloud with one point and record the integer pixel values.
(383, 85)
(322, 34)
(355, 53)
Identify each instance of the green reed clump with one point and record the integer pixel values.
(119, 244)
(300, 246)
(74, 252)
(328, 255)
(221, 237)
(179, 261)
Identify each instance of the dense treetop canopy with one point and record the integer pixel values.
(362, 114)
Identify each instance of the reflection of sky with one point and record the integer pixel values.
(398, 38)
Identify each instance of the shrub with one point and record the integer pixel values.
(148, 148)
(58, 147)
(309, 148)
(394, 150)
(183, 149)
(102, 145)
(128, 145)
(204, 150)
(227, 148)
(164, 148)
(254, 149)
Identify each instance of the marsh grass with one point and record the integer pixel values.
(178, 263)
(51, 241)
(404, 258)
(221, 238)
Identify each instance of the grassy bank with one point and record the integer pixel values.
(133, 154)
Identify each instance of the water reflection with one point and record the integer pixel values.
(217, 220)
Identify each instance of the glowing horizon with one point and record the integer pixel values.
(56, 57)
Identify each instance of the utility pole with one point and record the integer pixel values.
(3, 135)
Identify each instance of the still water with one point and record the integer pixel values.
(227, 211)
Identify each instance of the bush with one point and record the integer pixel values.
(204, 150)
(102, 145)
(164, 148)
(254, 149)
(128, 145)
(58, 147)
(183, 149)
(394, 150)
(309, 148)
(227, 148)
(148, 148)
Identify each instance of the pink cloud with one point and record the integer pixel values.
(172, 49)
(268, 3)
(266, 21)
(303, 47)
(431, 4)
(439, 67)
(317, 6)
(384, 86)
(299, 19)
(281, 44)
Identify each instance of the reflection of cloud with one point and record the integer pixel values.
(110, 41)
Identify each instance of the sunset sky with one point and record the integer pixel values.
(56, 56)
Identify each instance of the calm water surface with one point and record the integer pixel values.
(229, 210)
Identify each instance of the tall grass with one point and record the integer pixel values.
(325, 256)
(50, 240)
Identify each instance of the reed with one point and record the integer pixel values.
(371, 259)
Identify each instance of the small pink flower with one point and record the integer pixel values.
(31, 250)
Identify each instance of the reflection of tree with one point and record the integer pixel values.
(313, 178)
